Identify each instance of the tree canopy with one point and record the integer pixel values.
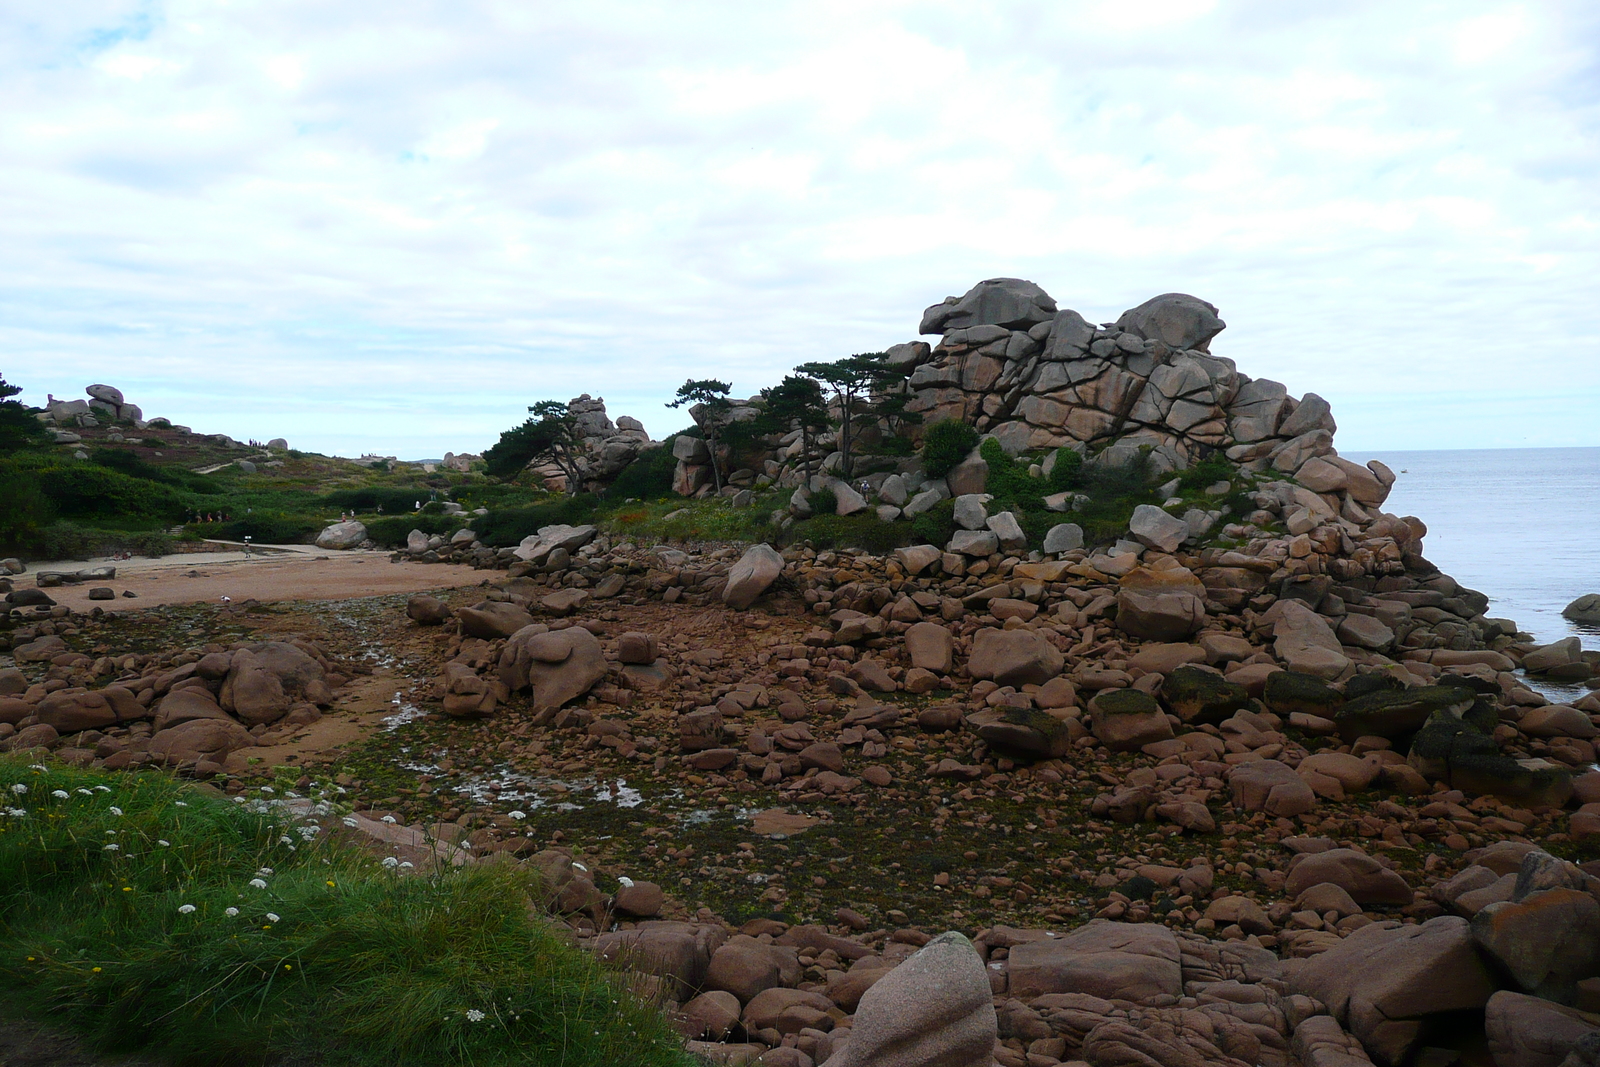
(712, 397)
(550, 434)
(18, 427)
(853, 381)
(796, 403)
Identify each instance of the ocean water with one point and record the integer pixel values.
(1522, 525)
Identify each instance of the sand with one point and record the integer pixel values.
(290, 573)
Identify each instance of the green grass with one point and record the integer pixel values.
(696, 520)
(114, 902)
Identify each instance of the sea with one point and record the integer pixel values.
(1521, 525)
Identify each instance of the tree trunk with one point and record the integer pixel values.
(716, 466)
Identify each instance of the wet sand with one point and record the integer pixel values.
(295, 572)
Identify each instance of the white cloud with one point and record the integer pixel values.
(394, 226)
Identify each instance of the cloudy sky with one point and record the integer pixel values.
(392, 226)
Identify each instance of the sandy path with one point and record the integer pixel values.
(297, 573)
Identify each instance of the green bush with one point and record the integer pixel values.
(1009, 482)
(944, 444)
(126, 462)
(648, 477)
(26, 511)
(78, 490)
(899, 445)
(262, 527)
(936, 525)
(864, 530)
(368, 499)
(1209, 471)
(157, 918)
(391, 530)
(824, 502)
(66, 540)
(1067, 473)
(504, 527)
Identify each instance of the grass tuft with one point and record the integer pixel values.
(115, 892)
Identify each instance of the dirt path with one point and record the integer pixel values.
(293, 573)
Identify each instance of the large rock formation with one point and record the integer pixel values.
(1040, 381)
(606, 447)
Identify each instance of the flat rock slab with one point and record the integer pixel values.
(1116, 961)
(779, 821)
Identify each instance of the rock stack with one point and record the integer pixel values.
(605, 449)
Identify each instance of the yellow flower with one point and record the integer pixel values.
(96, 970)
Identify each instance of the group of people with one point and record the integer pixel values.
(207, 516)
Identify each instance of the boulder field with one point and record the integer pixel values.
(1253, 788)
(1256, 840)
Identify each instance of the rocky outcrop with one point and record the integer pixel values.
(605, 448)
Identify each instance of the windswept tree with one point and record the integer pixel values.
(852, 381)
(550, 434)
(796, 403)
(18, 427)
(710, 409)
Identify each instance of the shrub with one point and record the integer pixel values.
(899, 445)
(648, 477)
(263, 527)
(395, 501)
(824, 502)
(504, 527)
(945, 444)
(1009, 482)
(936, 525)
(864, 530)
(78, 490)
(327, 956)
(1067, 473)
(392, 530)
(1214, 468)
(25, 512)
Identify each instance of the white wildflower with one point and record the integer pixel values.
(390, 862)
(265, 872)
(625, 882)
(102, 789)
(390, 819)
(16, 813)
(181, 803)
(19, 789)
(474, 1015)
(61, 794)
(85, 792)
(350, 820)
(406, 864)
(186, 909)
(308, 832)
(257, 883)
(37, 767)
(272, 916)
(518, 815)
(110, 848)
(231, 912)
(578, 865)
(163, 842)
(114, 810)
(286, 840)
(267, 789)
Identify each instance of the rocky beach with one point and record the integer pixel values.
(1245, 780)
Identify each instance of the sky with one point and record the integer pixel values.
(390, 227)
